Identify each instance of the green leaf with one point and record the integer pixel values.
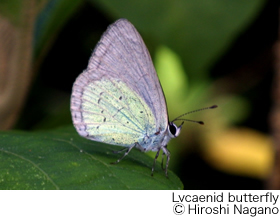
(61, 159)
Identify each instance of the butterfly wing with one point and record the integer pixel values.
(118, 99)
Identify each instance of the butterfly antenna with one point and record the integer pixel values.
(199, 122)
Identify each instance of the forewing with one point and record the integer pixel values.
(119, 94)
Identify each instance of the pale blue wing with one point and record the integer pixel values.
(118, 99)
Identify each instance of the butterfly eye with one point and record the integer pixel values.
(173, 129)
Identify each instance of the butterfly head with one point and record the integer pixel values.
(173, 130)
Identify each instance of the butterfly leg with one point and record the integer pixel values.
(167, 153)
(119, 151)
(126, 153)
(162, 158)
(153, 168)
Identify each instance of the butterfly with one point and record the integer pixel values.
(119, 100)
